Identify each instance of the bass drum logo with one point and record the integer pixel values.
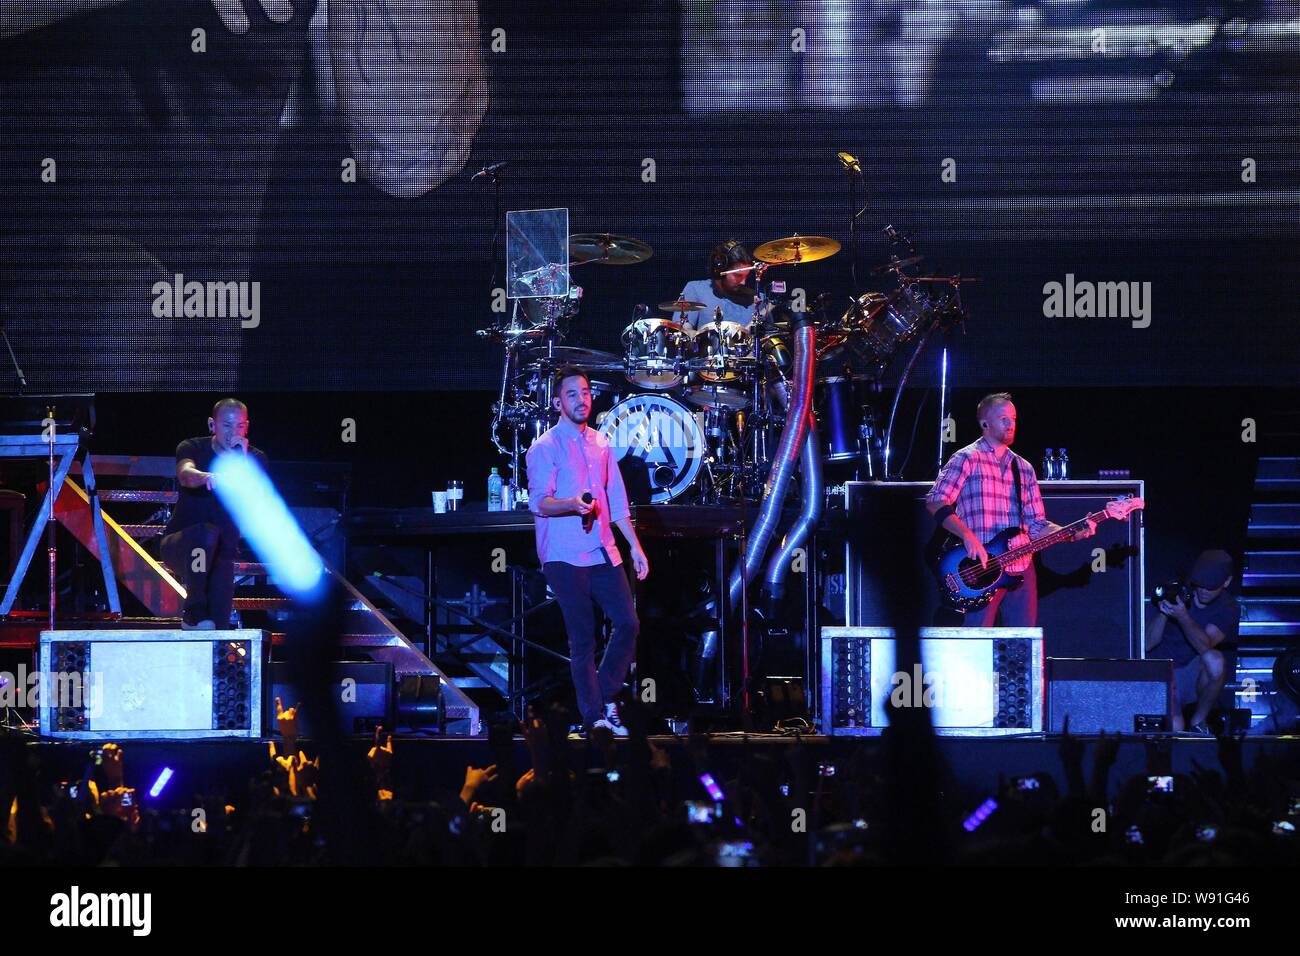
(664, 435)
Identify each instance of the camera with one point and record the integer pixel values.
(1171, 591)
(702, 813)
(1160, 784)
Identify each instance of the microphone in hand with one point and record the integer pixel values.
(589, 518)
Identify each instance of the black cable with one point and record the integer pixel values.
(911, 442)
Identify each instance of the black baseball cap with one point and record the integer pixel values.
(1211, 569)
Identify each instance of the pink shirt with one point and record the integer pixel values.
(562, 464)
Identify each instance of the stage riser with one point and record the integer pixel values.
(138, 684)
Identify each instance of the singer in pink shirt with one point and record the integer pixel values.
(577, 498)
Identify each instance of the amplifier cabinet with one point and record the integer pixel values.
(1090, 592)
(977, 681)
(1106, 695)
(363, 692)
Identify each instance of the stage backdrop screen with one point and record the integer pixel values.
(192, 202)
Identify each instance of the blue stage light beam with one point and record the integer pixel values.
(266, 522)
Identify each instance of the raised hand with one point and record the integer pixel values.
(475, 778)
(286, 722)
(381, 759)
(114, 772)
(235, 18)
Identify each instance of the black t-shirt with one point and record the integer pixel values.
(1223, 612)
(198, 505)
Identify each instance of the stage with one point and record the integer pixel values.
(859, 404)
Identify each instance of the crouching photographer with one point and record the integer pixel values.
(1195, 626)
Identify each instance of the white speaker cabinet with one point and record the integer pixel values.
(160, 684)
(975, 681)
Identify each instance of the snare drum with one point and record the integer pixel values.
(655, 350)
(719, 350)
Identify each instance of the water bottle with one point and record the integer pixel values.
(1063, 466)
(495, 484)
(1049, 465)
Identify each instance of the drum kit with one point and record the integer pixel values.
(701, 405)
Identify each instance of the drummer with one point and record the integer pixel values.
(729, 267)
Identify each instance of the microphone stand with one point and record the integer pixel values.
(497, 200)
(497, 188)
(49, 523)
(855, 213)
(13, 359)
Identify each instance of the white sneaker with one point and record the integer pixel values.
(613, 720)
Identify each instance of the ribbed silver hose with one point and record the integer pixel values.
(810, 512)
(793, 436)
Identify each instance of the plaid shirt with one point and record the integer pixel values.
(982, 491)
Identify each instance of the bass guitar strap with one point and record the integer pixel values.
(1020, 498)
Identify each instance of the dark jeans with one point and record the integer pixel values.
(1019, 607)
(210, 592)
(575, 591)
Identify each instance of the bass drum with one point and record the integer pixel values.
(845, 419)
(663, 435)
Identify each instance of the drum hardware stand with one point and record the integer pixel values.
(898, 395)
(944, 315)
(854, 170)
(746, 717)
(943, 408)
(759, 418)
(866, 440)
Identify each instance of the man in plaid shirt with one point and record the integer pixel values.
(974, 498)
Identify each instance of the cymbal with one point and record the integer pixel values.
(507, 334)
(681, 305)
(895, 263)
(606, 249)
(571, 355)
(955, 280)
(796, 250)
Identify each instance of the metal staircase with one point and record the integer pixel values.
(1270, 578)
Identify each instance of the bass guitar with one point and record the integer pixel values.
(967, 586)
